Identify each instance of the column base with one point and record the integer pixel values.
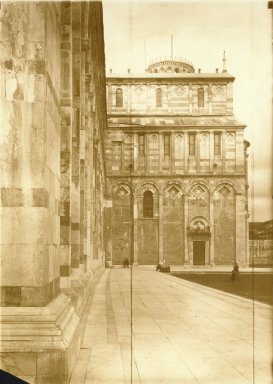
(108, 264)
(39, 344)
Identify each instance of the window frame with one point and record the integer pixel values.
(148, 209)
(141, 146)
(167, 145)
(119, 98)
(192, 145)
(159, 99)
(217, 146)
(201, 97)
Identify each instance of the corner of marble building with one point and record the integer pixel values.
(47, 215)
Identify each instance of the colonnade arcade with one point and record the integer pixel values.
(190, 223)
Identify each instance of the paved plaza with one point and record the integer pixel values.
(181, 333)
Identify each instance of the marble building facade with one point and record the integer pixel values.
(53, 117)
(176, 163)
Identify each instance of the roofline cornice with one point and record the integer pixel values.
(173, 127)
(186, 77)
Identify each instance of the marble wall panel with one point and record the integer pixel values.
(24, 265)
(53, 145)
(6, 214)
(28, 225)
(65, 254)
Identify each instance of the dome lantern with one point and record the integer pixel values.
(170, 65)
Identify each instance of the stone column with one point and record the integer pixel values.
(66, 145)
(83, 133)
(207, 247)
(34, 335)
(186, 218)
(172, 152)
(240, 250)
(135, 152)
(108, 232)
(135, 222)
(160, 151)
(76, 93)
(87, 183)
(198, 136)
(211, 241)
(211, 152)
(186, 153)
(190, 250)
(160, 228)
(147, 153)
(223, 151)
(30, 158)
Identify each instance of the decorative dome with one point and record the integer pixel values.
(170, 64)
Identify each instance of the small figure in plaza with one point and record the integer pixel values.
(158, 267)
(126, 263)
(163, 267)
(235, 272)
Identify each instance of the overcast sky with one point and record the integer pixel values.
(201, 32)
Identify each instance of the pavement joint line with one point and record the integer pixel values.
(201, 350)
(237, 297)
(179, 353)
(217, 293)
(208, 344)
(211, 346)
(217, 351)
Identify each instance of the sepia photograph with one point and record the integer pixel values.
(136, 220)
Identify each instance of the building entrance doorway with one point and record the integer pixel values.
(199, 253)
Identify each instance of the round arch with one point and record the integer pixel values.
(148, 186)
(199, 222)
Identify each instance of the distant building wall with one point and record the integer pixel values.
(174, 134)
(261, 242)
(261, 252)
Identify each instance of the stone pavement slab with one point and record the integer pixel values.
(180, 332)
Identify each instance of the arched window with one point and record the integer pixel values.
(148, 203)
(200, 97)
(119, 98)
(159, 97)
